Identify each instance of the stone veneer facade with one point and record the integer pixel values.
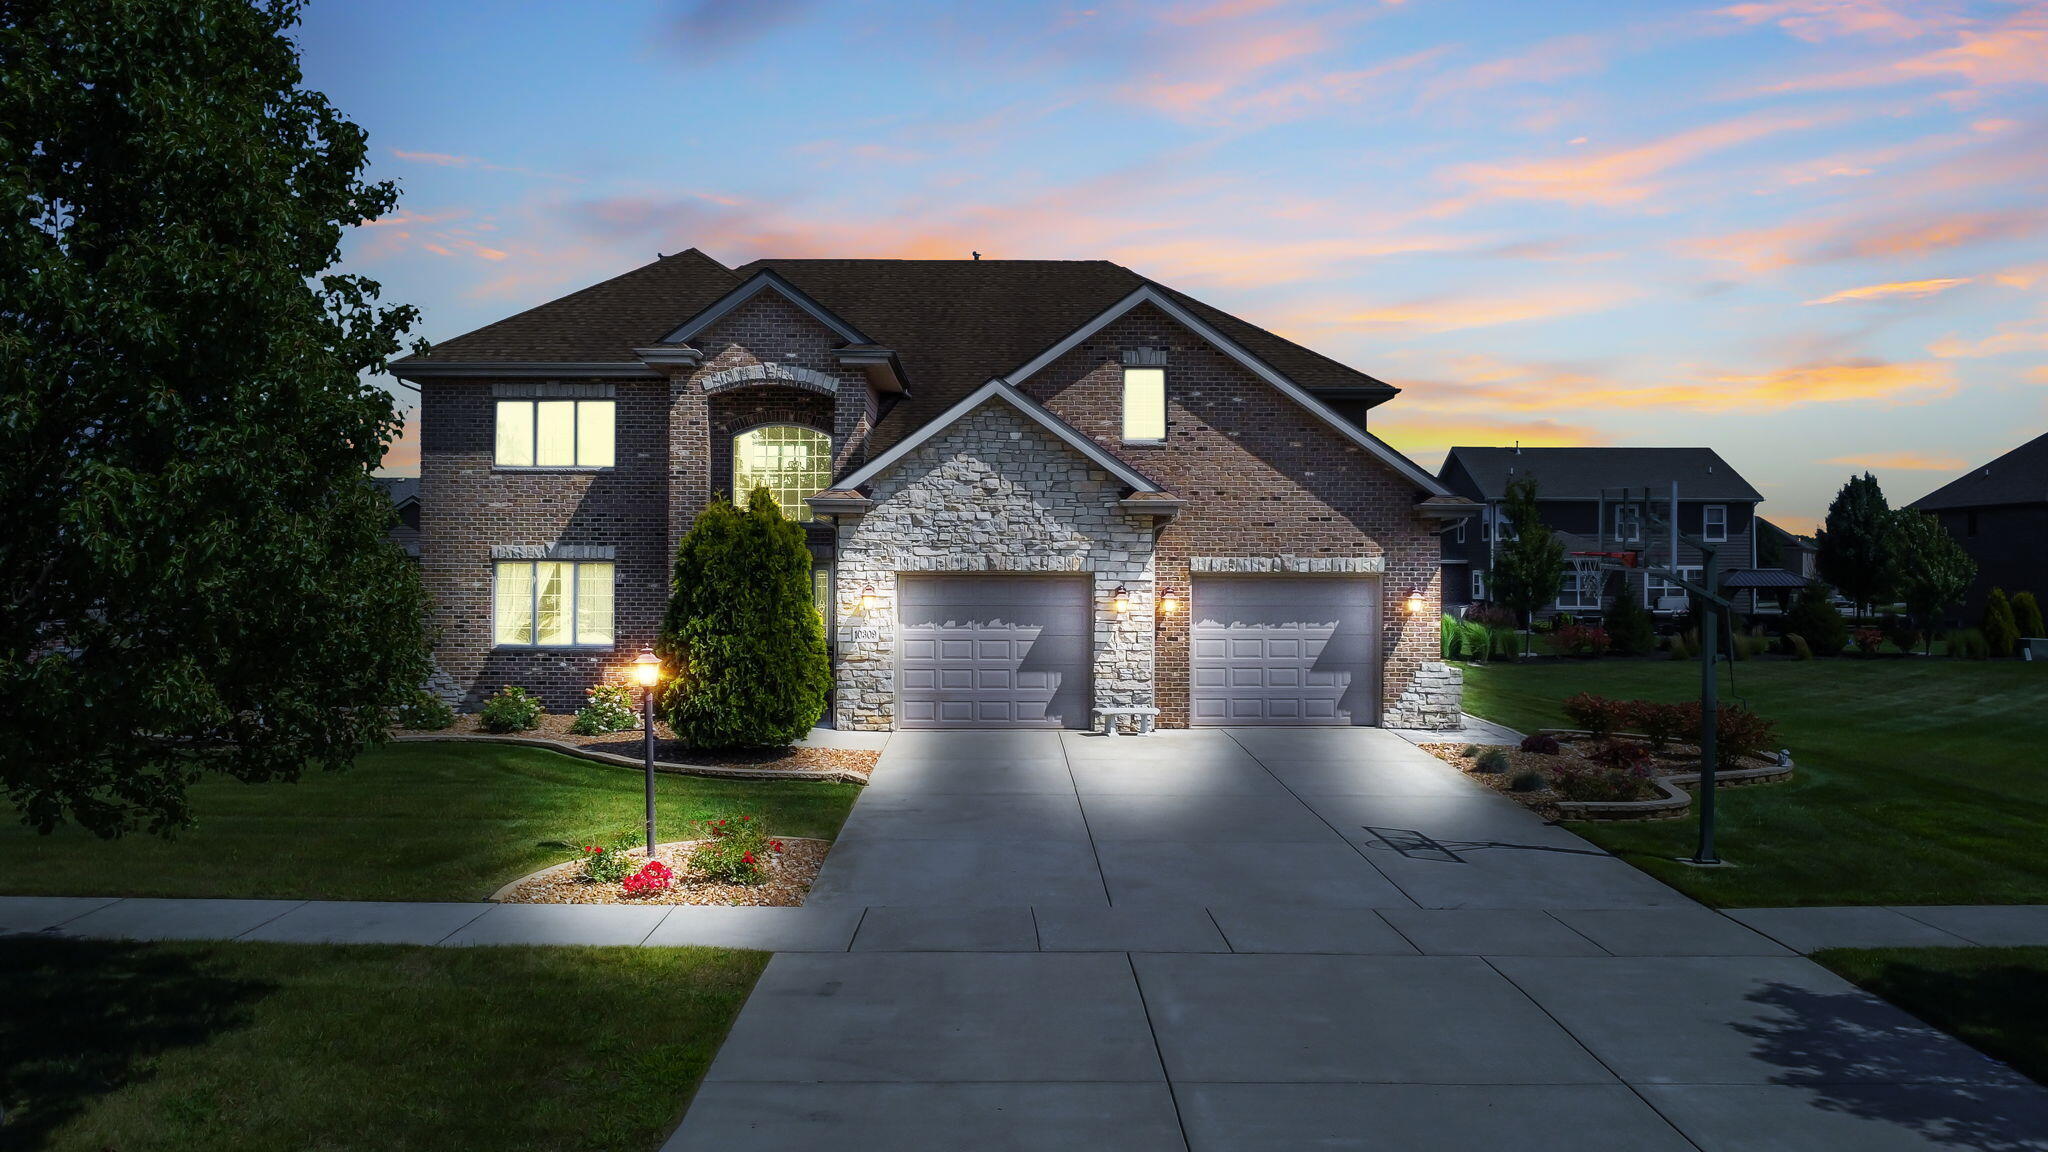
(992, 493)
(1267, 487)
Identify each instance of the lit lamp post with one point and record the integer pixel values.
(647, 670)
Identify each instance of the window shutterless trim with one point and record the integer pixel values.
(571, 599)
(575, 434)
(1706, 524)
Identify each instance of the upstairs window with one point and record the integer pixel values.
(1628, 522)
(1144, 405)
(791, 461)
(555, 433)
(553, 604)
(1715, 521)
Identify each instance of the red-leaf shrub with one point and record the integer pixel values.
(1579, 640)
(1738, 732)
(1624, 756)
(1541, 744)
(1662, 723)
(653, 876)
(1596, 714)
(1594, 782)
(1868, 640)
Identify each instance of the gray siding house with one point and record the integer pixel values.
(1580, 491)
(1999, 514)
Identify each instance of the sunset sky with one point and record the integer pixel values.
(1811, 234)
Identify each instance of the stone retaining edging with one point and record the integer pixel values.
(827, 775)
(1676, 798)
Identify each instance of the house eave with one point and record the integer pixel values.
(418, 370)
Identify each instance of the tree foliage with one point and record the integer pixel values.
(2001, 630)
(742, 637)
(196, 568)
(1856, 550)
(1629, 626)
(1816, 621)
(2026, 614)
(1529, 568)
(1933, 571)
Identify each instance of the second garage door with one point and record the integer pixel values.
(993, 652)
(1285, 650)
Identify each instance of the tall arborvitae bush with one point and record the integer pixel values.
(2026, 614)
(1817, 621)
(742, 637)
(2001, 632)
(1629, 626)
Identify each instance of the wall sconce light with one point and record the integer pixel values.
(1169, 603)
(1120, 600)
(1416, 602)
(868, 600)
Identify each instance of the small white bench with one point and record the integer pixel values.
(1143, 713)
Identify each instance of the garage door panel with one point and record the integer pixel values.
(994, 651)
(1281, 650)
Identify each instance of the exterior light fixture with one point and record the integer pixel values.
(1169, 603)
(1120, 600)
(868, 600)
(647, 670)
(1416, 602)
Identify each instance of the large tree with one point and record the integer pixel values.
(1528, 566)
(1857, 550)
(195, 567)
(1933, 571)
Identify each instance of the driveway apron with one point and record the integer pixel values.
(1285, 938)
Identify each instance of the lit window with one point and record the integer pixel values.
(1716, 523)
(553, 604)
(821, 596)
(555, 433)
(1144, 405)
(792, 462)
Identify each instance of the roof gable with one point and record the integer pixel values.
(1583, 473)
(765, 280)
(2018, 477)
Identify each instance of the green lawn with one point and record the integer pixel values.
(412, 821)
(1920, 781)
(1996, 999)
(297, 1046)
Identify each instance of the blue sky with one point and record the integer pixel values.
(1808, 233)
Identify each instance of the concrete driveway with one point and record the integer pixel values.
(1296, 938)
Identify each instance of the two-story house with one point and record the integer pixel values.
(1592, 499)
(1998, 512)
(1031, 488)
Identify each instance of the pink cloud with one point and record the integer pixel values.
(1625, 176)
(2012, 52)
(1817, 20)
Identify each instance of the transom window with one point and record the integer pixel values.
(1144, 405)
(791, 461)
(553, 604)
(555, 433)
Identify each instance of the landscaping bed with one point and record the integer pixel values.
(848, 765)
(789, 873)
(1581, 779)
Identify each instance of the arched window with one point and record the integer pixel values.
(791, 461)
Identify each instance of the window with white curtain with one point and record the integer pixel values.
(556, 433)
(1144, 405)
(553, 604)
(793, 462)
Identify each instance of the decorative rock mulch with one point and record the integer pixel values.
(1675, 769)
(849, 765)
(789, 881)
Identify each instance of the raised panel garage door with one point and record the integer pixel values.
(1285, 650)
(993, 652)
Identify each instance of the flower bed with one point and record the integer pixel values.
(1612, 777)
(853, 765)
(786, 879)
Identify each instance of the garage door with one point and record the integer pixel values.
(1281, 650)
(993, 652)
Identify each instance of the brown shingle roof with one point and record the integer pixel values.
(954, 324)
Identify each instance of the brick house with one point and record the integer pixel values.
(1583, 496)
(1031, 489)
(1999, 514)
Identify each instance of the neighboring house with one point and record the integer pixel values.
(1581, 494)
(1786, 563)
(1032, 488)
(1999, 514)
(404, 494)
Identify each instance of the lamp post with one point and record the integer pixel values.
(647, 670)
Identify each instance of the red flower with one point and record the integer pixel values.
(775, 845)
(745, 818)
(747, 858)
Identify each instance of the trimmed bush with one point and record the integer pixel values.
(1629, 627)
(1868, 641)
(1492, 761)
(1579, 640)
(511, 710)
(1739, 732)
(1540, 744)
(1596, 714)
(610, 710)
(2026, 615)
(425, 712)
(1901, 632)
(1813, 617)
(742, 635)
(1599, 784)
(1662, 723)
(2001, 631)
(734, 850)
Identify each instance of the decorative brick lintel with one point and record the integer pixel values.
(770, 372)
(553, 552)
(1302, 565)
(551, 390)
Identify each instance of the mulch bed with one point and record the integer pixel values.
(789, 881)
(632, 744)
(1675, 759)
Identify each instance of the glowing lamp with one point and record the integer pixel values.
(1416, 602)
(646, 668)
(868, 600)
(1120, 600)
(1169, 603)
